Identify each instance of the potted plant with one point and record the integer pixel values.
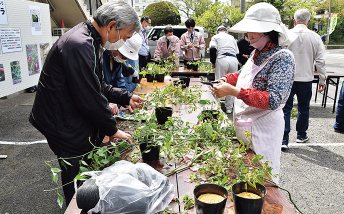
(210, 198)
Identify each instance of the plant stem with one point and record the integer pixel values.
(273, 183)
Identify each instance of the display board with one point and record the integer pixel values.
(25, 40)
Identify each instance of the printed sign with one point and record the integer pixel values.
(10, 40)
(35, 18)
(3, 13)
(333, 22)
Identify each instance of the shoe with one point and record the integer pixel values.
(339, 131)
(229, 111)
(302, 140)
(284, 145)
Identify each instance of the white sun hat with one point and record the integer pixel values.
(262, 18)
(131, 47)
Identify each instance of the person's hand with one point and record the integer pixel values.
(190, 45)
(135, 102)
(121, 134)
(129, 109)
(224, 89)
(197, 46)
(213, 65)
(114, 108)
(321, 88)
(246, 56)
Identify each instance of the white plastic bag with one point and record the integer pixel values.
(242, 126)
(131, 188)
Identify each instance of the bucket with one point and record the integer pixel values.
(245, 205)
(205, 208)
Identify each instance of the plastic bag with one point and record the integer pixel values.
(131, 188)
(242, 126)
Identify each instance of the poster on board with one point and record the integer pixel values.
(16, 72)
(10, 40)
(32, 59)
(3, 13)
(35, 18)
(45, 47)
(2, 73)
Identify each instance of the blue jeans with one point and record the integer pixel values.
(303, 91)
(339, 125)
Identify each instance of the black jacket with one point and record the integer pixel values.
(71, 103)
(244, 48)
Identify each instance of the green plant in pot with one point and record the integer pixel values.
(149, 72)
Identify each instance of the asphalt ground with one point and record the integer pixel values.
(311, 172)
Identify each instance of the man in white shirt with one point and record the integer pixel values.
(307, 49)
(146, 23)
(223, 51)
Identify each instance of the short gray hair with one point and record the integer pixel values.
(302, 16)
(119, 11)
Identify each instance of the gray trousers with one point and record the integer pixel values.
(225, 65)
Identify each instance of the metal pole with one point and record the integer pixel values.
(242, 6)
(328, 24)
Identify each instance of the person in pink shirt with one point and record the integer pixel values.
(191, 42)
(167, 45)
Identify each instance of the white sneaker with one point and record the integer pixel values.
(229, 111)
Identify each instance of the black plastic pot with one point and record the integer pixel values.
(160, 77)
(136, 80)
(204, 208)
(194, 67)
(246, 205)
(185, 81)
(189, 66)
(87, 195)
(149, 152)
(162, 114)
(209, 115)
(150, 77)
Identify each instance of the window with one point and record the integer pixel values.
(137, 8)
(143, 8)
(137, 1)
(143, 0)
(126, 1)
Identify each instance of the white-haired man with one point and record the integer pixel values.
(71, 101)
(307, 49)
(223, 51)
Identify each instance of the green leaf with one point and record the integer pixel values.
(63, 164)
(224, 180)
(55, 170)
(55, 177)
(60, 200)
(90, 155)
(209, 129)
(83, 169)
(84, 163)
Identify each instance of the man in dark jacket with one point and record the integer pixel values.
(71, 103)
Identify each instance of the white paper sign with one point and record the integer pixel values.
(35, 17)
(3, 13)
(10, 40)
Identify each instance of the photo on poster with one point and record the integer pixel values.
(45, 47)
(2, 73)
(35, 16)
(16, 72)
(32, 59)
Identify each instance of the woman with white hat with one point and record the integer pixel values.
(263, 85)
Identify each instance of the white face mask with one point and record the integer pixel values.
(113, 46)
(118, 58)
(147, 28)
(169, 37)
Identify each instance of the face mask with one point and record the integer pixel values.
(119, 59)
(246, 39)
(169, 37)
(147, 28)
(113, 46)
(260, 42)
(191, 31)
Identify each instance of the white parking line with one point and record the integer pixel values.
(23, 143)
(314, 144)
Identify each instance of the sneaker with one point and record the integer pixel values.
(339, 131)
(229, 111)
(284, 145)
(302, 140)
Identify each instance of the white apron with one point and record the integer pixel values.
(267, 125)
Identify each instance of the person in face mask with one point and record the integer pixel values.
(263, 85)
(245, 49)
(191, 43)
(71, 104)
(116, 72)
(146, 24)
(167, 45)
